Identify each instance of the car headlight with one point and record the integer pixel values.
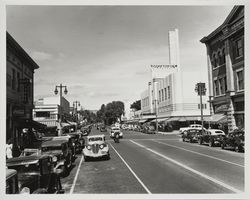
(25, 190)
(54, 159)
(88, 147)
(102, 146)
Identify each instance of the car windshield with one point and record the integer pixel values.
(95, 139)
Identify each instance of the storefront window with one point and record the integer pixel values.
(240, 80)
(216, 88)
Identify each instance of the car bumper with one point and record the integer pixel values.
(100, 153)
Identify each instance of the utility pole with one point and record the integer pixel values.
(156, 102)
(60, 106)
(75, 104)
(200, 88)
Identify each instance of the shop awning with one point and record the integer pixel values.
(72, 123)
(173, 119)
(219, 118)
(28, 123)
(142, 120)
(160, 119)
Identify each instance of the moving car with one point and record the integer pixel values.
(191, 126)
(191, 135)
(234, 140)
(35, 174)
(96, 147)
(114, 130)
(213, 137)
(103, 129)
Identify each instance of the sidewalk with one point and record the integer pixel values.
(174, 132)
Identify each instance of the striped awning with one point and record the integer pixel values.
(219, 118)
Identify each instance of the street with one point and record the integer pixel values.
(157, 164)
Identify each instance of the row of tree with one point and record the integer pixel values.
(111, 112)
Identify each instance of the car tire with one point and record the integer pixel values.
(183, 139)
(191, 141)
(222, 146)
(200, 141)
(237, 148)
(211, 144)
(86, 159)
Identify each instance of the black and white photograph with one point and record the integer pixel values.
(123, 100)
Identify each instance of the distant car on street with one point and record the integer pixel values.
(191, 126)
(212, 137)
(150, 130)
(234, 140)
(191, 135)
(96, 147)
(114, 130)
(103, 129)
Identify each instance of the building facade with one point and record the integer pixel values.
(47, 111)
(225, 58)
(170, 94)
(20, 83)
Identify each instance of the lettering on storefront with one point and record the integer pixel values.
(221, 108)
(18, 111)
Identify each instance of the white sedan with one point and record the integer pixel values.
(96, 147)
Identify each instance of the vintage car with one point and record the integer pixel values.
(234, 140)
(150, 130)
(11, 186)
(60, 152)
(191, 126)
(96, 147)
(78, 141)
(191, 135)
(114, 130)
(35, 174)
(103, 129)
(212, 137)
(86, 130)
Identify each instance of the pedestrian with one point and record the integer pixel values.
(9, 147)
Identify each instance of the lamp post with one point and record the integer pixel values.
(60, 109)
(75, 104)
(155, 103)
(200, 88)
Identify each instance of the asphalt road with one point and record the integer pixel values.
(157, 164)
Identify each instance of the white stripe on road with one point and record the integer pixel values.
(232, 163)
(77, 172)
(190, 169)
(139, 180)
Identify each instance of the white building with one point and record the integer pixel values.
(171, 92)
(47, 110)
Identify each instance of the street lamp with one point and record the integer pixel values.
(75, 104)
(60, 110)
(155, 103)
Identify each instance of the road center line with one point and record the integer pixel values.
(190, 169)
(139, 180)
(232, 163)
(77, 172)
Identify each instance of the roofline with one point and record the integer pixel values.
(217, 30)
(14, 43)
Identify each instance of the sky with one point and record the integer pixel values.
(104, 53)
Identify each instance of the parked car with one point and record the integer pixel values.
(114, 130)
(150, 130)
(96, 147)
(35, 174)
(191, 126)
(191, 135)
(86, 130)
(234, 140)
(213, 137)
(78, 141)
(60, 152)
(11, 186)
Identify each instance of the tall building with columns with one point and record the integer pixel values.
(225, 60)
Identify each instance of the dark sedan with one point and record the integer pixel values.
(234, 140)
(191, 135)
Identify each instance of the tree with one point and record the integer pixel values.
(136, 105)
(110, 113)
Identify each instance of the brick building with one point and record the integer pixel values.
(225, 57)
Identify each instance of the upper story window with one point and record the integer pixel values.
(8, 80)
(18, 81)
(216, 88)
(165, 90)
(240, 80)
(162, 95)
(168, 92)
(13, 79)
(214, 61)
(159, 95)
(223, 56)
(239, 48)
